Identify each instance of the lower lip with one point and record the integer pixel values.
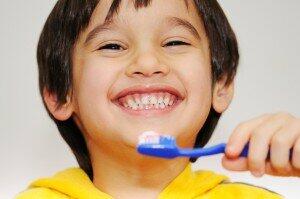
(149, 112)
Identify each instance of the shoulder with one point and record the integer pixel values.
(41, 192)
(46, 187)
(242, 190)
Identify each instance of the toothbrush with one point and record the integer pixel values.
(164, 146)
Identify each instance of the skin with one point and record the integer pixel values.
(277, 132)
(143, 58)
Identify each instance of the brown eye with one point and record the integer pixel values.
(176, 43)
(111, 47)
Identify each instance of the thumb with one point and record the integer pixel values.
(236, 164)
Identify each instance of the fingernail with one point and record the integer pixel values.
(229, 148)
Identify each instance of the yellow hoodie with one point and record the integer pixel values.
(74, 183)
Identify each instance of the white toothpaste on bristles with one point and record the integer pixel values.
(149, 137)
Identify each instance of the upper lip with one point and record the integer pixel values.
(140, 89)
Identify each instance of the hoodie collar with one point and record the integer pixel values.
(190, 184)
(75, 183)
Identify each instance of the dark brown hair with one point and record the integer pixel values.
(61, 31)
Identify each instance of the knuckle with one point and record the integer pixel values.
(278, 140)
(296, 157)
(242, 126)
(283, 115)
(296, 150)
(296, 124)
(296, 163)
(279, 166)
(255, 162)
(257, 133)
(267, 115)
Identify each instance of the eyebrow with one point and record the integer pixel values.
(173, 21)
(106, 26)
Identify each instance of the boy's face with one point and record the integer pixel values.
(161, 46)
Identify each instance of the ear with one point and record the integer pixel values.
(222, 95)
(62, 112)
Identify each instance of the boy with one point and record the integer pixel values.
(112, 69)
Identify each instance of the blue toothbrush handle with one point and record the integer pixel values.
(207, 151)
(219, 148)
(245, 151)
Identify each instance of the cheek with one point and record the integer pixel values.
(199, 85)
(196, 77)
(195, 73)
(200, 96)
(91, 85)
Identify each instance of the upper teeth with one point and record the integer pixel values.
(148, 100)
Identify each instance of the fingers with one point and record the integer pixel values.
(277, 133)
(241, 164)
(259, 145)
(291, 171)
(238, 164)
(281, 143)
(296, 154)
(241, 136)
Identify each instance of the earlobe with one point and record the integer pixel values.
(62, 112)
(222, 95)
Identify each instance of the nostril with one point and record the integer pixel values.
(147, 74)
(138, 73)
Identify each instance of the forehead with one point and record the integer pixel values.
(144, 12)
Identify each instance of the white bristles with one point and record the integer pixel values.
(149, 137)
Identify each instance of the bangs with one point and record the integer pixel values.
(137, 4)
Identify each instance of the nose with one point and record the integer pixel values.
(147, 64)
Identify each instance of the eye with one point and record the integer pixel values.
(176, 43)
(111, 46)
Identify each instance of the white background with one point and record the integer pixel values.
(268, 81)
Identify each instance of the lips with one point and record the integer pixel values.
(148, 98)
(148, 89)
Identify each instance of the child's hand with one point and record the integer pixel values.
(278, 132)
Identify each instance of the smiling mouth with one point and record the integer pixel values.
(148, 100)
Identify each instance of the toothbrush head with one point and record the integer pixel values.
(154, 144)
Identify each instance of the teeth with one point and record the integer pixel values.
(167, 99)
(153, 100)
(149, 106)
(132, 104)
(162, 105)
(138, 102)
(148, 101)
(171, 101)
(160, 101)
(145, 100)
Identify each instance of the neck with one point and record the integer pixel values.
(123, 173)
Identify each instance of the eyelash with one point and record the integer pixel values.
(176, 42)
(113, 46)
(110, 46)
